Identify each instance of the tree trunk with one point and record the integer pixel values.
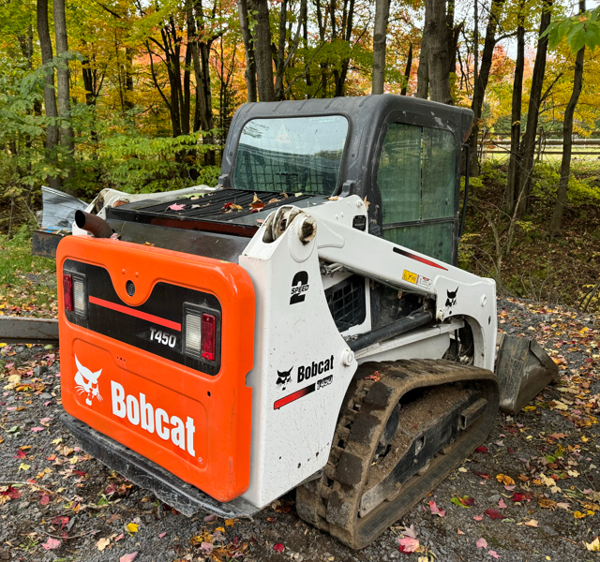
(49, 93)
(407, 71)
(514, 164)
(481, 78)
(565, 166)
(128, 97)
(382, 12)
(62, 74)
(263, 56)
(200, 49)
(339, 76)
(250, 72)
(423, 70)
(438, 51)
(537, 82)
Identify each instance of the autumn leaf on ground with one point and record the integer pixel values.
(482, 449)
(102, 544)
(593, 546)
(128, 557)
(501, 504)
(504, 479)
(481, 543)
(481, 475)
(478, 517)
(435, 510)
(408, 544)
(547, 504)
(493, 554)
(532, 523)
(176, 207)
(132, 527)
(410, 532)
(51, 544)
(278, 547)
(493, 514)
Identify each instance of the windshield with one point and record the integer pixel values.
(293, 154)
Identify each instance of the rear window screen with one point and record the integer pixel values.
(292, 155)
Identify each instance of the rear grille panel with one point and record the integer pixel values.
(213, 206)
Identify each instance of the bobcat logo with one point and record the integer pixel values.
(284, 377)
(451, 298)
(87, 382)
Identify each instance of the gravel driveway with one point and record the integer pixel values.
(532, 492)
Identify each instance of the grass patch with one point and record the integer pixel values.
(27, 283)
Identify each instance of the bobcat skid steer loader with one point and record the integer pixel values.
(301, 325)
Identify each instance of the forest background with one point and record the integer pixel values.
(139, 95)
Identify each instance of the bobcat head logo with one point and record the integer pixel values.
(284, 377)
(87, 382)
(451, 298)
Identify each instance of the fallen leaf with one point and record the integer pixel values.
(44, 500)
(210, 518)
(174, 207)
(482, 449)
(132, 527)
(504, 479)
(501, 504)
(593, 546)
(102, 544)
(493, 514)
(481, 543)
(161, 535)
(547, 503)
(278, 547)
(579, 515)
(24, 467)
(493, 554)
(481, 475)
(128, 557)
(410, 532)
(532, 523)
(459, 532)
(435, 510)
(36, 429)
(51, 544)
(408, 544)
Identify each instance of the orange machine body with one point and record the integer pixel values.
(125, 372)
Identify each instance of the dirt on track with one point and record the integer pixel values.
(532, 491)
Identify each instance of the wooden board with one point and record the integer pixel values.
(28, 330)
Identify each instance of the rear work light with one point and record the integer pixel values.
(201, 334)
(74, 291)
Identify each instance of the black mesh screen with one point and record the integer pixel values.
(346, 302)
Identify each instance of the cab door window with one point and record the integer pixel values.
(416, 179)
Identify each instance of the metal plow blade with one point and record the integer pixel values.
(523, 369)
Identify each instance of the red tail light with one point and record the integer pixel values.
(68, 292)
(209, 342)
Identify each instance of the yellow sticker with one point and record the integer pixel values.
(409, 276)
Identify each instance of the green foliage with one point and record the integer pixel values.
(136, 163)
(16, 262)
(581, 192)
(582, 30)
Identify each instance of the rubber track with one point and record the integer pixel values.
(331, 503)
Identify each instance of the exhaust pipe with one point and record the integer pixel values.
(93, 224)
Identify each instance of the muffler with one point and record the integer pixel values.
(523, 369)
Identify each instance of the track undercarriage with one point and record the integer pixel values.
(404, 427)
